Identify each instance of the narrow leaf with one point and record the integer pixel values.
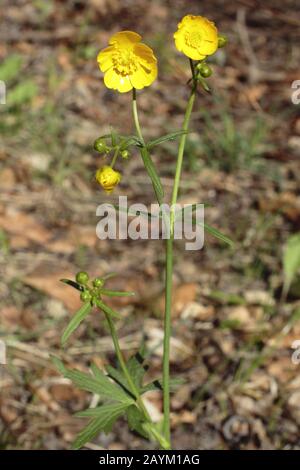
(116, 293)
(150, 168)
(217, 234)
(101, 411)
(73, 284)
(166, 138)
(78, 317)
(108, 310)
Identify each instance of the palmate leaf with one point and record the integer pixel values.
(137, 368)
(78, 317)
(166, 138)
(99, 384)
(135, 420)
(118, 376)
(103, 419)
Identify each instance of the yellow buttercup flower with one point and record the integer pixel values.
(108, 178)
(196, 37)
(127, 63)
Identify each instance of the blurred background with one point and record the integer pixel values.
(236, 310)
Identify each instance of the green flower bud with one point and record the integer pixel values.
(204, 70)
(100, 145)
(125, 154)
(222, 41)
(82, 278)
(98, 282)
(85, 296)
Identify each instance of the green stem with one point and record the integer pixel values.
(136, 116)
(122, 363)
(132, 386)
(114, 159)
(169, 250)
(169, 263)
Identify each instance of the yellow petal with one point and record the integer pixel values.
(124, 84)
(115, 81)
(125, 37)
(111, 79)
(104, 58)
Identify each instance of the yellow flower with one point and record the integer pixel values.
(127, 63)
(196, 37)
(108, 178)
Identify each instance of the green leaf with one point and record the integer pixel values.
(156, 183)
(10, 68)
(118, 376)
(204, 84)
(116, 293)
(166, 138)
(108, 310)
(78, 317)
(157, 385)
(227, 298)
(102, 410)
(291, 260)
(106, 417)
(137, 369)
(22, 93)
(136, 420)
(216, 233)
(99, 385)
(73, 284)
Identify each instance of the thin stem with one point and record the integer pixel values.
(136, 116)
(169, 249)
(122, 362)
(159, 438)
(167, 336)
(169, 262)
(114, 159)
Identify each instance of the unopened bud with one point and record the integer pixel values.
(204, 70)
(222, 41)
(82, 277)
(100, 145)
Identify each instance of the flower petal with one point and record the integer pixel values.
(104, 58)
(123, 38)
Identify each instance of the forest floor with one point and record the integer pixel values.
(233, 330)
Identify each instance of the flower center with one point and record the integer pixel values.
(124, 62)
(193, 39)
